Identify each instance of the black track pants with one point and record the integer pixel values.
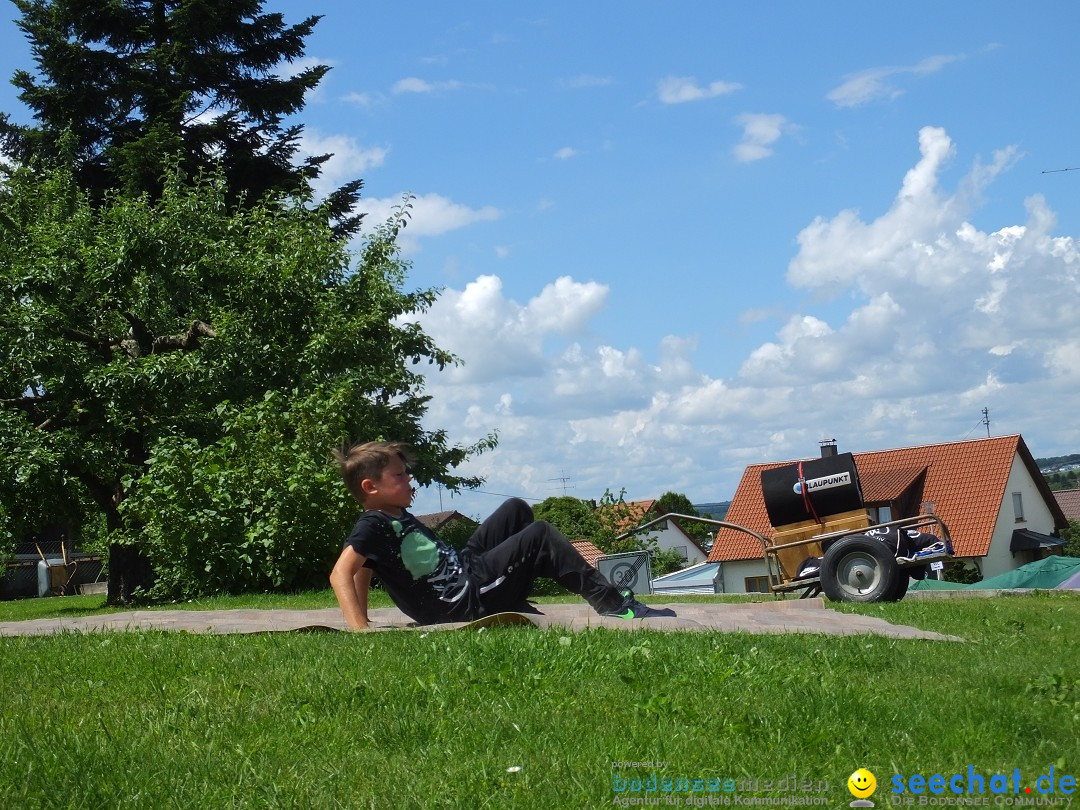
(511, 549)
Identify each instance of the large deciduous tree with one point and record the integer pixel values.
(138, 82)
(182, 332)
(183, 367)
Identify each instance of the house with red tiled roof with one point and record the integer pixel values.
(666, 535)
(440, 521)
(1069, 501)
(999, 510)
(587, 550)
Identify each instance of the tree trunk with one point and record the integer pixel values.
(129, 569)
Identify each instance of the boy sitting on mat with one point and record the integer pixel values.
(429, 580)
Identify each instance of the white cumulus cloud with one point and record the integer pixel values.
(499, 337)
(681, 89)
(877, 83)
(349, 159)
(760, 132)
(944, 319)
(429, 215)
(412, 84)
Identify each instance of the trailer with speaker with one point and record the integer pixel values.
(823, 539)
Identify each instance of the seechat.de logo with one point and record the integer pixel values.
(862, 784)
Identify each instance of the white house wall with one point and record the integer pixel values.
(1037, 518)
(735, 573)
(668, 536)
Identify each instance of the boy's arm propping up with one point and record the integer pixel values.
(350, 580)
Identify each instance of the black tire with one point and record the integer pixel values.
(859, 569)
(900, 591)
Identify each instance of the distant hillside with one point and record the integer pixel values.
(716, 510)
(1055, 463)
(1061, 472)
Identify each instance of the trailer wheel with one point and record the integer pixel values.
(859, 569)
(901, 589)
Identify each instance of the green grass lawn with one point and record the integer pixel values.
(55, 607)
(518, 717)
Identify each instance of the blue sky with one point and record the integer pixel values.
(675, 239)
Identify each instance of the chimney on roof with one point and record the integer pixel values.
(828, 447)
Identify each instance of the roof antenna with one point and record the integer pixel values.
(986, 420)
(564, 478)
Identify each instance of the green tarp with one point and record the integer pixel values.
(934, 585)
(1046, 574)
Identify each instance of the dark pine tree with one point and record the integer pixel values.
(138, 82)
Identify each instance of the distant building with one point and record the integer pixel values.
(437, 521)
(667, 535)
(1069, 501)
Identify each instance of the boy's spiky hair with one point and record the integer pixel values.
(368, 460)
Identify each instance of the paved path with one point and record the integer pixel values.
(786, 616)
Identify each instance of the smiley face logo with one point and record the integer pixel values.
(861, 783)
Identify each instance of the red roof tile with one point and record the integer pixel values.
(587, 550)
(886, 485)
(747, 509)
(436, 520)
(1069, 501)
(965, 480)
(634, 514)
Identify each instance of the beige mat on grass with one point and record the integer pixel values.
(787, 616)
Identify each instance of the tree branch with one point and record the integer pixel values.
(187, 342)
(102, 346)
(26, 403)
(140, 335)
(31, 405)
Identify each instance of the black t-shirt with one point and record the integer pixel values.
(423, 575)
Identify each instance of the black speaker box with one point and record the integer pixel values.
(831, 485)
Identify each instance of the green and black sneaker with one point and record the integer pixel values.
(631, 608)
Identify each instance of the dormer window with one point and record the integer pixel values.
(880, 514)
